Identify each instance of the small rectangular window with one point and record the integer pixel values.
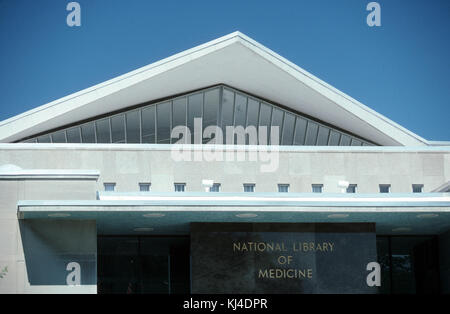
(283, 188)
(215, 187)
(250, 187)
(109, 187)
(351, 188)
(317, 188)
(144, 187)
(385, 188)
(180, 187)
(417, 188)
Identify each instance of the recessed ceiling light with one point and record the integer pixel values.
(59, 215)
(153, 215)
(338, 216)
(427, 215)
(143, 229)
(246, 215)
(401, 229)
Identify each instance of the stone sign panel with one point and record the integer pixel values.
(282, 257)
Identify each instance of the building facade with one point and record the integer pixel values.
(222, 169)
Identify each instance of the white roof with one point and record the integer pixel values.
(235, 60)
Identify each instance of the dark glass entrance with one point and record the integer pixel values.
(409, 264)
(139, 264)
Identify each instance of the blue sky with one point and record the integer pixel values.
(401, 69)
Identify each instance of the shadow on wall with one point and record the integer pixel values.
(60, 252)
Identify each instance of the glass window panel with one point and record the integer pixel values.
(179, 112)
(288, 129)
(118, 129)
(277, 121)
(415, 265)
(178, 115)
(384, 261)
(345, 140)
(133, 127)
(252, 112)
(227, 108)
(311, 134)
(240, 110)
(334, 138)
(73, 135)
(163, 123)
(31, 140)
(322, 138)
(44, 139)
(210, 110)
(300, 131)
(87, 133)
(265, 116)
(59, 137)
(148, 125)
(211, 107)
(356, 142)
(103, 132)
(195, 104)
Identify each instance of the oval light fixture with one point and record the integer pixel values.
(143, 229)
(427, 215)
(246, 215)
(59, 215)
(401, 229)
(338, 216)
(153, 215)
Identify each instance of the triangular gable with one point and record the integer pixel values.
(235, 60)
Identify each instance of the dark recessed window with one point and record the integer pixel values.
(351, 188)
(249, 187)
(144, 187)
(417, 188)
(180, 187)
(109, 187)
(385, 188)
(283, 188)
(317, 188)
(215, 187)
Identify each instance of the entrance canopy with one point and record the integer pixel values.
(171, 213)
